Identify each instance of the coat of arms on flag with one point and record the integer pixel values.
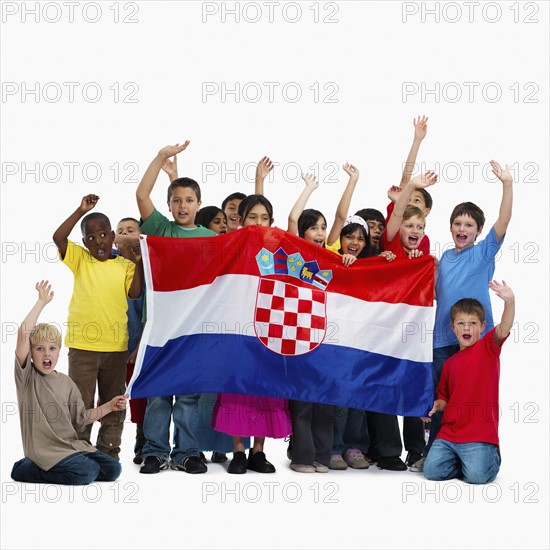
(290, 317)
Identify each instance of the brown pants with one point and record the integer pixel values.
(108, 369)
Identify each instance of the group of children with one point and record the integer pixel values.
(107, 306)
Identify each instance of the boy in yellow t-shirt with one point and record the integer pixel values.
(97, 334)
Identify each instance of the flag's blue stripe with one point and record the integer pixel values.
(329, 374)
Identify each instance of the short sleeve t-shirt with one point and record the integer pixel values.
(469, 385)
(464, 274)
(159, 225)
(97, 312)
(51, 411)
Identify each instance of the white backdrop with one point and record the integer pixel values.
(92, 90)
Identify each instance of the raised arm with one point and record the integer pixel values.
(505, 212)
(420, 130)
(265, 165)
(136, 288)
(298, 208)
(45, 296)
(503, 291)
(343, 205)
(143, 192)
(61, 235)
(418, 182)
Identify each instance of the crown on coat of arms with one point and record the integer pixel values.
(294, 265)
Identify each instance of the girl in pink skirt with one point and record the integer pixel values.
(247, 415)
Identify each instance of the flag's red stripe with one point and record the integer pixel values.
(178, 264)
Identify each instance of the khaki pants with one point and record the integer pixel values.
(108, 369)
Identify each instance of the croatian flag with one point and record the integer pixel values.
(262, 312)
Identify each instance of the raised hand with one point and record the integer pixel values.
(264, 166)
(393, 193)
(504, 175)
(171, 167)
(420, 127)
(502, 290)
(172, 150)
(351, 170)
(311, 181)
(424, 180)
(88, 203)
(45, 292)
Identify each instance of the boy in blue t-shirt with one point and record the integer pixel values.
(465, 272)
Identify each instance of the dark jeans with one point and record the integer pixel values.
(75, 469)
(312, 432)
(440, 355)
(350, 431)
(386, 438)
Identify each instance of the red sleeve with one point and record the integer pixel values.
(425, 245)
(443, 386)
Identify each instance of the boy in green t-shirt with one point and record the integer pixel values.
(184, 201)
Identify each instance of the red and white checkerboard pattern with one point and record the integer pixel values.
(289, 319)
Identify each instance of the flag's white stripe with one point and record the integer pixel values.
(227, 307)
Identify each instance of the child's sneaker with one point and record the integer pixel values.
(191, 465)
(412, 457)
(354, 459)
(153, 465)
(337, 462)
(218, 458)
(303, 468)
(320, 468)
(418, 466)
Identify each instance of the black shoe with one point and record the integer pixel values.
(289, 448)
(237, 464)
(191, 465)
(391, 463)
(153, 465)
(138, 459)
(412, 458)
(259, 463)
(203, 457)
(218, 457)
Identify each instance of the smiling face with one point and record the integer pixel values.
(353, 243)
(317, 233)
(411, 233)
(45, 355)
(184, 206)
(467, 328)
(232, 213)
(257, 215)
(464, 230)
(98, 238)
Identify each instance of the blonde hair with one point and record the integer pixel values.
(412, 211)
(43, 332)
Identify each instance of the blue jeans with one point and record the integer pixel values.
(156, 427)
(440, 355)
(350, 430)
(75, 469)
(472, 462)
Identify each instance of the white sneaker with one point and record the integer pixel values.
(418, 466)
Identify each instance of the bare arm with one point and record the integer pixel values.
(343, 205)
(117, 403)
(265, 165)
(505, 212)
(418, 182)
(439, 406)
(61, 235)
(45, 296)
(502, 290)
(420, 130)
(143, 192)
(298, 208)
